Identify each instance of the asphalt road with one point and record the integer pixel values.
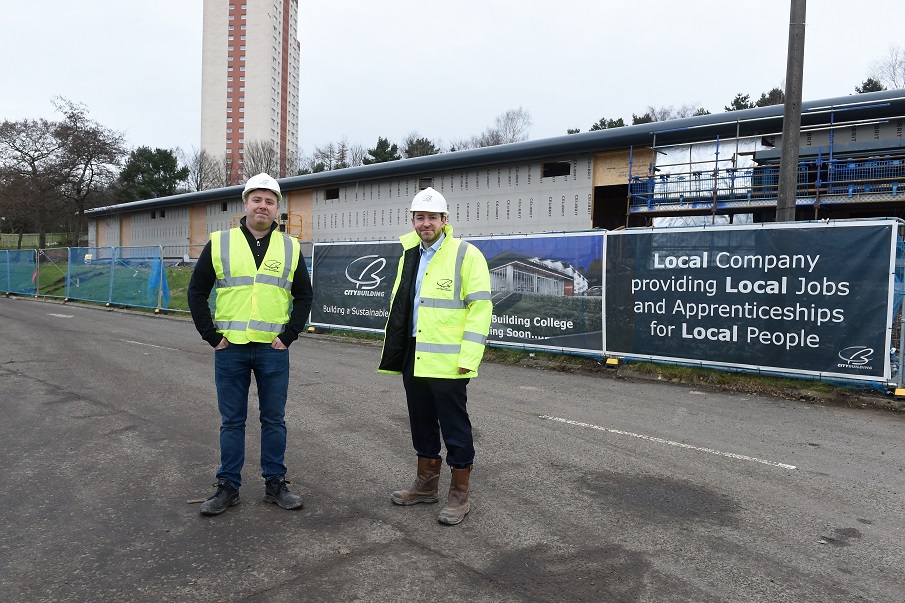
(584, 489)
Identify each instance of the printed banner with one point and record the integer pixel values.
(352, 284)
(808, 298)
(547, 289)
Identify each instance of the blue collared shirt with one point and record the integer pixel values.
(426, 256)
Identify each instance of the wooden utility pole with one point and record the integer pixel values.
(791, 122)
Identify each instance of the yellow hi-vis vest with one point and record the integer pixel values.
(252, 303)
(455, 312)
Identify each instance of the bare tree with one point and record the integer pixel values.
(260, 157)
(225, 171)
(90, 158)
(513, 125)
(203, 169)
(490, 137)
(332, 156)
(461, 144)
(891, 69)
(14, 214)
(32, 166)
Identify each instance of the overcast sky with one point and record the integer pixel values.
(444, 69)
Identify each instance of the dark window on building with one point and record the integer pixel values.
(556, 168)
(331, 193)
(163, 213)
(153, 215)
(224, 207)
(423, 183)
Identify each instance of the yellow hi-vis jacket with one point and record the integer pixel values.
(454, 312)
(252, 303)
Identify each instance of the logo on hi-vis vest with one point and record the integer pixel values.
(444, 284)
(856, 357)
(273, 265)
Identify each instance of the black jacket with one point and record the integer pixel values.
(399, 323)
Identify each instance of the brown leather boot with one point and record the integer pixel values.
(457, 504)
(424, 490)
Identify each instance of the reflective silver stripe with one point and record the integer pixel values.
(446, 304)
(270, 327)
(437, 348)
(287, 265)
(474, 337)
(282, 283)
(224, 255)
(478, 296)
(230, 325)
(235, 281)
(460, 258)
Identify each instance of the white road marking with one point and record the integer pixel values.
(730, 455)
(60, 315)
(150, 345)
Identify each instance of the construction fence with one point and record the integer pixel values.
(811, 299)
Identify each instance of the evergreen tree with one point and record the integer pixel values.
(606, 124)
(383, 152)
(741, 101)
(150, 174)
(870, 85)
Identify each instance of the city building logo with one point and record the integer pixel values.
(856, 357)
(364, 272)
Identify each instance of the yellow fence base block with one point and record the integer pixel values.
(612, 362)
(899, 391)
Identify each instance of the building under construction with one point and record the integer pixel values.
(720, 167)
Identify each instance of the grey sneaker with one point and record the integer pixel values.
(275, 491)
(225, 497)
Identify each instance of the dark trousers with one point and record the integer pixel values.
(438, 406)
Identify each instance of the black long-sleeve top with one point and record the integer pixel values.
(204, 278)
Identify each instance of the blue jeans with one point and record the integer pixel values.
(233, 367)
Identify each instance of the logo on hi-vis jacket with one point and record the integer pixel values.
(273, 265)
(444, 284)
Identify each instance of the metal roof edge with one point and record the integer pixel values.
(744, 122)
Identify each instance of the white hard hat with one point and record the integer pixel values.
(429, 200)
(262, 181)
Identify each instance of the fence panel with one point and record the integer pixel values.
(136, 277)
(21, 272)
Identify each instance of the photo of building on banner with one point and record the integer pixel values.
(547, 289)
(813, 298)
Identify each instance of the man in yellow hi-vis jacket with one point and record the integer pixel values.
(439, 319)
(259, 273)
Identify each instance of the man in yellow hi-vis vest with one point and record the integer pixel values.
(259, 273)
(440, 314)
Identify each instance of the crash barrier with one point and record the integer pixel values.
(809, 299)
